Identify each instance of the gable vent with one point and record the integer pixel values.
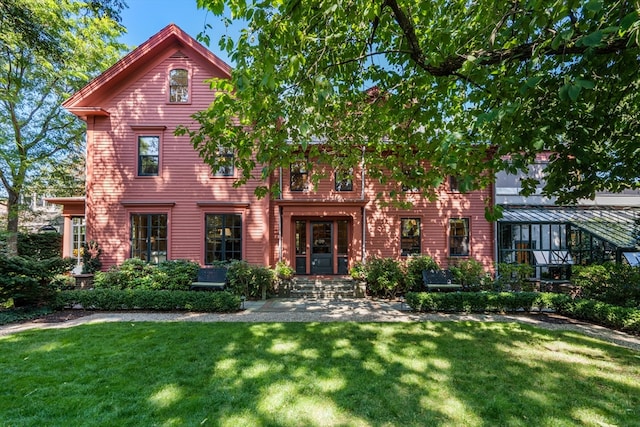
(178, 54)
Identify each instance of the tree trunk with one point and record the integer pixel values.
(12, 224)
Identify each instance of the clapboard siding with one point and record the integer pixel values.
(185, 186)
(135, 95)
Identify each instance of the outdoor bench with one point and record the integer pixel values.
(439, 280)
(210, 279)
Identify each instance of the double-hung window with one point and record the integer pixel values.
(149, 237)
(223, 241)
(454, 185)
(409, 236)
(410, 173)
(148, 155)
(179, 86)
(299, 175)
(459, 237)
(225, 162)
(344, 179)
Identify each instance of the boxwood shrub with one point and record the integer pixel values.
(146, 299)
(479, 302)
(621, 318)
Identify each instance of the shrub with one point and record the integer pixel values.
(471, 274)
(617, 284)
(27, 281)
(384, 277)
(252, 281)
(62, 282)
(239, 277)
(136, 274)
(181, 273)
(357, 272)
(480, 302)
(145, 299)
(40, 246)
(513, 277)
(415, 266)
(131, 274)
(613, 316)
(284, 271)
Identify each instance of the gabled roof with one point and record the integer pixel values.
(169, 37)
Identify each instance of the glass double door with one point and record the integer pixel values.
(325, 251)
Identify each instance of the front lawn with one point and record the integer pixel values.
(315, 374)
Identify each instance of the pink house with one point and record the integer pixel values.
(150, 196)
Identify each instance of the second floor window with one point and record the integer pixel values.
(410, 174)
(299, 175)
(454, 186)
(344, 180)
(148, 155)
(225, 157)
(179, 86)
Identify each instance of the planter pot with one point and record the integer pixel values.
(84, 281)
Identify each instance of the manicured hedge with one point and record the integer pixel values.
(145, 299)
(621, 318)
(480, 302)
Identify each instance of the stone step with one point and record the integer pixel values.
(321, 294)
(322, 288)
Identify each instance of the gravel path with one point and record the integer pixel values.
(345, 310)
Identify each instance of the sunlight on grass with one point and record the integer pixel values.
(246, 418)
(590, 417)
(316, 374)
(50, 346)
(167, 396)
(293, 407)
(283, 347)
(455, 412)
(257, 370)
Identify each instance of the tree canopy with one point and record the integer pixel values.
(471, 87)
(36, 134)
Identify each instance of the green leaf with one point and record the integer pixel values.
(585, 84)
(594, 6)
(593, 39)
(628, 21)
(574, 92)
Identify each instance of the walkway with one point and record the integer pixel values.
(336, 310)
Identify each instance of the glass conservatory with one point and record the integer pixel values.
(554, 239)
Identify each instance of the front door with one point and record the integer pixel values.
(322, 248)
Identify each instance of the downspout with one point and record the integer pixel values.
(364, 210)
(364, 234)
(495, 230)
(280, 234)
(280, 249)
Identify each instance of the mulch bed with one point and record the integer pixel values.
(61, 316)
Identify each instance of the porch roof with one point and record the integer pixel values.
(620, 227)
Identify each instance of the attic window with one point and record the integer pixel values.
(179, 54)
(179, 86)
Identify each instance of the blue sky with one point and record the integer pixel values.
(144, 18)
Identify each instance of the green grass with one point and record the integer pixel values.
(315, 374)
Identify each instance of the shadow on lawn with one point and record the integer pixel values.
(318, 374)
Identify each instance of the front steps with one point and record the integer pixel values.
(323, 287)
